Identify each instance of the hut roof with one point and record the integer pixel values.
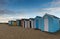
(18, 20)
(32, 18)
(12, 20)
(38, 17)
(25, 19)
(51, 16)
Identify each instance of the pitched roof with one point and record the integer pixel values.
(25, 19)
(38, 17)
(52, 16)
(31, 18)
(18, 19)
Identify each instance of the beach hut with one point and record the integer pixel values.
(51, 23)
(18, 22)
(37, 22)
(25, 23)
(14, 23)
(22, 22)
(31, 22)
(10, 23)
(28, 23)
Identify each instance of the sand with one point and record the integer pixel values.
(15, 32)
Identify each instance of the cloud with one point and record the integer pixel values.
(7, 15)
(5, 11)
(55, 3)
(2, 2)
(54, 9)
(5, 19)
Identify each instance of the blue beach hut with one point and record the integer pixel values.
(18, 22)
(51, 23)
(10, 22)
(37, 22)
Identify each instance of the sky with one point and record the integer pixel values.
(18, 9)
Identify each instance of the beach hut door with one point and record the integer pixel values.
(46, 24)
(30, 24)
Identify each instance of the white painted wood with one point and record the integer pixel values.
(45, 24)
(25, 24)
(35, 24)
(32, 22)
(28, 24)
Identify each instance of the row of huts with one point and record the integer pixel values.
(26, 23)
(48, 23)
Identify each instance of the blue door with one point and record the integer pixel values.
(37, 24)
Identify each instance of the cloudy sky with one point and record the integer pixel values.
(17, 9)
